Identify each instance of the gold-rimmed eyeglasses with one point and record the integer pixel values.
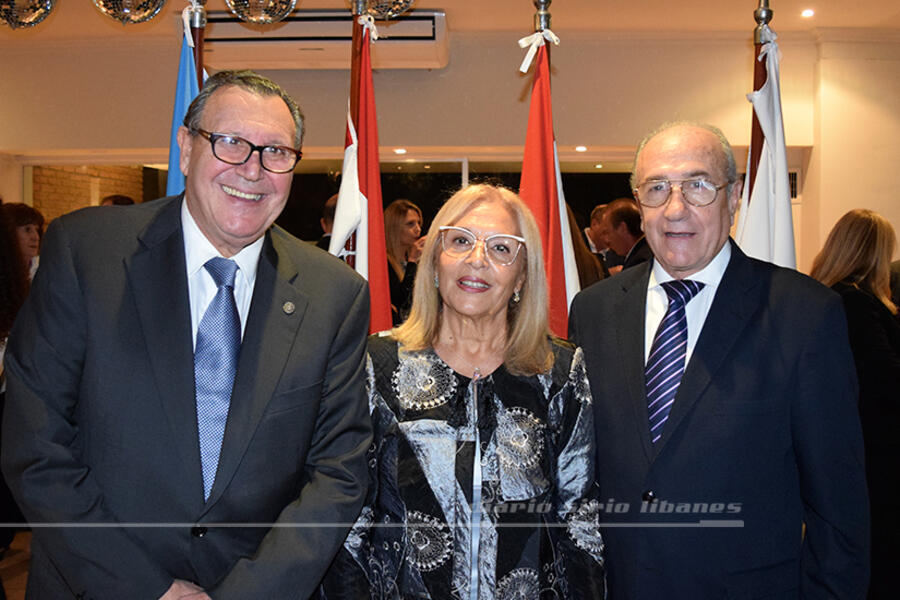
(696, 191)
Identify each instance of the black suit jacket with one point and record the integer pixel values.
(763, 437)
(639, 253)
(100, 424)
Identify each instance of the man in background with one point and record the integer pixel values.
(327, 222)
(622, 228)
(595, 237)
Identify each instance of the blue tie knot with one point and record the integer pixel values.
(222, 271)
(681, 291)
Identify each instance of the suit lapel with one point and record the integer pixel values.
(736, 300)
(631, 309)
(276, 312)
(158, 278)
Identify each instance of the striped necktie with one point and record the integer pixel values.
(665, 365)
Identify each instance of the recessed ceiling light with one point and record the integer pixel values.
(580, 148)
(427, 166)
(807, 13)
(399, 150)
(598, 166)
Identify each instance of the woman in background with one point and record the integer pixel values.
(13, 289)
(402, 228)
(855, 262)
(29, 227)
(483, 458)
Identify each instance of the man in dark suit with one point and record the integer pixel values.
(595, 239)
(327, 222)
(153, 475)
(728, 441)
(622, 227)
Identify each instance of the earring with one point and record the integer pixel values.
(436, 282)
(516, 297)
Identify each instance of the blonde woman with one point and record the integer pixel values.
(402, 231)
(484, 446)
(856, 262)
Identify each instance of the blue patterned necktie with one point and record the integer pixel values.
(665, 365)
(215, 362)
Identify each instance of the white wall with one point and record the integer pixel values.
(110, 102)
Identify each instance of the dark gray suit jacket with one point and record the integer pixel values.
(101, 428)
(764, 434)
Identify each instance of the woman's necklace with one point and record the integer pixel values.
(476, 370)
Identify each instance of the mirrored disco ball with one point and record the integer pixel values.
(129, 11)
(25, 13)
(261, 11)
(387, 9)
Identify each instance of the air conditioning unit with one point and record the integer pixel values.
(320, 39)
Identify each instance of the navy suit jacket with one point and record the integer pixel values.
(763, 437)
(101, 427)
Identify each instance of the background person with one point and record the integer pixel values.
(13, 290)
(855, 262)
(732, 398)
(327, 222)
(117, 200)
(621, 227)
(29, 227)
(402, 231)
(500, 435)
(595, 236)
(590, 266)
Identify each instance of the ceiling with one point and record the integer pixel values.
(80, 19)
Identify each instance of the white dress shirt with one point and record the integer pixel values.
(696, 310)
(201, 286)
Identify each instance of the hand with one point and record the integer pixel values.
(184, 590)
(415, 252)
(614, 270)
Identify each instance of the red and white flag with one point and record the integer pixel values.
(765, 227)
(358, 215)
(541, 186)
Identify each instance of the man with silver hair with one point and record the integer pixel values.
(186, 414)
(728, 426)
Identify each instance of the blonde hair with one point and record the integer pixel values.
(859, 250)
(394, 217)
(527, 342)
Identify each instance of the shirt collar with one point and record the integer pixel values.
(198, 250)
(710, 275)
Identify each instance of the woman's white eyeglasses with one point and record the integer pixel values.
(500, 248)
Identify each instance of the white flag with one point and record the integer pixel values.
(765, 227)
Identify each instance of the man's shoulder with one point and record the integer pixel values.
(116, 217)
(615, 285)
(786, 290)
(313, 263)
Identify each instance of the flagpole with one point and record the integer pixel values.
(198, 25)
(542, 16)
(763, 15)
(540, 186)
(542, 19)
(358, 8)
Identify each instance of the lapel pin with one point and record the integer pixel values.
(288, 308)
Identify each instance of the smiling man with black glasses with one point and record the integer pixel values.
(186, 408)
